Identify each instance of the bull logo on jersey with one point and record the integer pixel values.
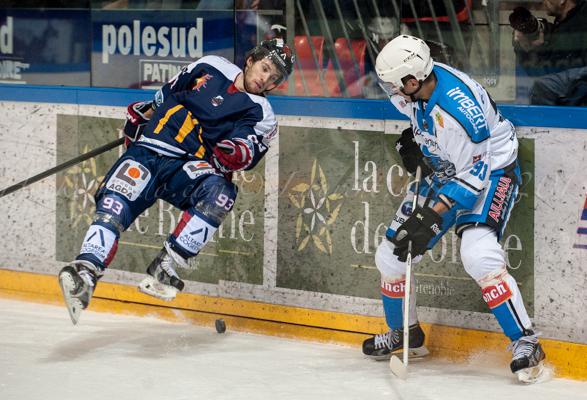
(201, 82)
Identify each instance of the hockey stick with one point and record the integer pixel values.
(399, 368)
(62, 166)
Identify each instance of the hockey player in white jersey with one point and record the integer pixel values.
(468, 151)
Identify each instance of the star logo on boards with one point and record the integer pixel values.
(319, 209)
(79, 183)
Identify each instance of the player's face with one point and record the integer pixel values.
(411, 87)
(261, 76)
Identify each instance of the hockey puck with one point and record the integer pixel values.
(220, 325)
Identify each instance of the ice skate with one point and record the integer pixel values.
(527, 359)
(381, 347)
(163, 282)
(78, 282)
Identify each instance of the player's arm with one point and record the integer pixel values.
(470, 155)
(470, 160)
(242, 150)
(139, 113)
(249, 140)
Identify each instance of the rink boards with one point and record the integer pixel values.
(295, 258)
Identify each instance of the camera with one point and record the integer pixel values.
(521, 19)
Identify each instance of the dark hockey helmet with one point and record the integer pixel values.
(278, 52)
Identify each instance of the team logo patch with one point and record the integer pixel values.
(98, 242)
(201, 82)
(129, 179)
(501, 198)
(217, 100)
(195, 169)
(495, 295)
(407, 208)
(439, 119)
(394, 289)
(194, 233)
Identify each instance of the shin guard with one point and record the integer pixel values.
(501, 293)
(192, 233)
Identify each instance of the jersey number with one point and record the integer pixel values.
(479, 170)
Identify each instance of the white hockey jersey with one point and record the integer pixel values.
(462, 134)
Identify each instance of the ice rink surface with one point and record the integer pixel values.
(107, 356)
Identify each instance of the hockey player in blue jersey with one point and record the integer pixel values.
(208, 121)
(468, 151)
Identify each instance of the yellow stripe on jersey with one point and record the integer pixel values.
(202, 150)
(168, 115)
(188, 125)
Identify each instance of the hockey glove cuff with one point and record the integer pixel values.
(420, 228)
(233, 155)
(136, 120)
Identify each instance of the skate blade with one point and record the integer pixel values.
(413, 354)
(536, 374)
(154, 288)
(73, 304)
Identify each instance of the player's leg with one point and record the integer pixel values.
(484, 259)
(205, 208)
(393, 281)
(122, 197)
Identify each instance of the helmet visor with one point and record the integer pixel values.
(389, 88)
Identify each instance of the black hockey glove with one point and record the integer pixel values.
(136, 120)
(410, 153)
(420, 228)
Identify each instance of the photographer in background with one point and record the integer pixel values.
(542, 47)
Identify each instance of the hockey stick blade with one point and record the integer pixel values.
(398, 368)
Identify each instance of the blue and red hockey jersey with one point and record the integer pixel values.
(201, 106)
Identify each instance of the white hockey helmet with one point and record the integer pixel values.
(405, 55)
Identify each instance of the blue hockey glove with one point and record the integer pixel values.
(420, 228)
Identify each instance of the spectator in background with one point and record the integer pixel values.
(565, 88)
(382, 30)
(542, 47)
